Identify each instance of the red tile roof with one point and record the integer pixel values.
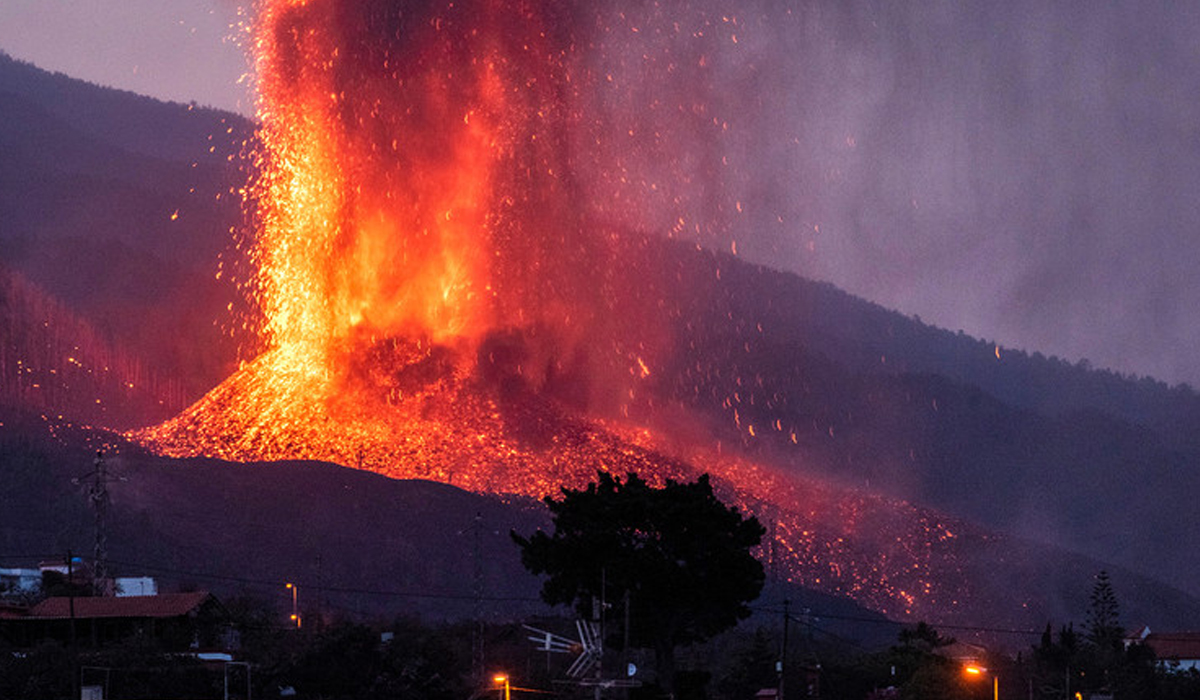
(169, 605)
(1174, 646)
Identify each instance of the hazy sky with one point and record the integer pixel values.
(179, 50)
(1028, 172)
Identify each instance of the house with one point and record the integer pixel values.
(177, 621)
(1179, 651)
(128, 586)
(19, 581)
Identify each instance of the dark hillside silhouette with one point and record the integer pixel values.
(362, 544)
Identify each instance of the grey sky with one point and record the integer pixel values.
(179, 50)
(1028, 172)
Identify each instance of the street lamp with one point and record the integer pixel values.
(977, 670)
(295, 610)
(503, 678)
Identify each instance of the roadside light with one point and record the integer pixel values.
(295, 617)
(501, 678)
(977, 670)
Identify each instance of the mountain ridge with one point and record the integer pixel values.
(869, 391)
(362, 544)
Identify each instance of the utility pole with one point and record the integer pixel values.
(98, 494)
(625, 644)
(71, 606)
(598, 619)
(782, 666)
(812, 664)
(71, 595)
(598, 604)
(100, 500)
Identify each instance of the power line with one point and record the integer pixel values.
(894, 623)
(274, 583)
(328, 589)
(478, 596)
(98, 495)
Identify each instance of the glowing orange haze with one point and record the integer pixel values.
(361, 234)
(417, 245)
(430, 284)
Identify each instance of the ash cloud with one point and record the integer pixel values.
(1023, 172)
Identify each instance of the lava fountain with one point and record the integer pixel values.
(456, 208)
(419, 209)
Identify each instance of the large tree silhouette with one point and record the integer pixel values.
(679, 556)
(1104, 624)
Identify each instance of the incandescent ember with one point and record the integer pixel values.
(452, 288)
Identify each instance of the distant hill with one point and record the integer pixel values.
(358, 543)
(109, 209)
(55, 362)
(120, 207)
(805, 375)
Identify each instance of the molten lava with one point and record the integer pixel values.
(451, 287)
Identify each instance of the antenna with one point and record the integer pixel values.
(98, 495)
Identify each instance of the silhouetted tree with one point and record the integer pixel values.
(1104, 625)
(1057, 664)
(1104, 634)
(750, 667)
(923, 637)
(682, 555)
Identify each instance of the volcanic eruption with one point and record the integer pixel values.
(461, 213)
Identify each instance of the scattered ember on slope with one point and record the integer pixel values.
(433, 415)
(446, 194)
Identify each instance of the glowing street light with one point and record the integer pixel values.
(502, 678)
(295, 610)
(977, 670)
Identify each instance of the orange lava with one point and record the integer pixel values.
(438, 304)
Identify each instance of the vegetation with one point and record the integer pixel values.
(343, 659)
(675, 559)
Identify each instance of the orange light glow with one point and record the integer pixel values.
(436, 302)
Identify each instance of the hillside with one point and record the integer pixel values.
(362, 544)
(358, 544)
(55, 362)
(121, 207)
(1064, 455)
(110, 206)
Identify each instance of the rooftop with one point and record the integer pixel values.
(167, 605)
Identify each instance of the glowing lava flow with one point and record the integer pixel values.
(438, 305)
